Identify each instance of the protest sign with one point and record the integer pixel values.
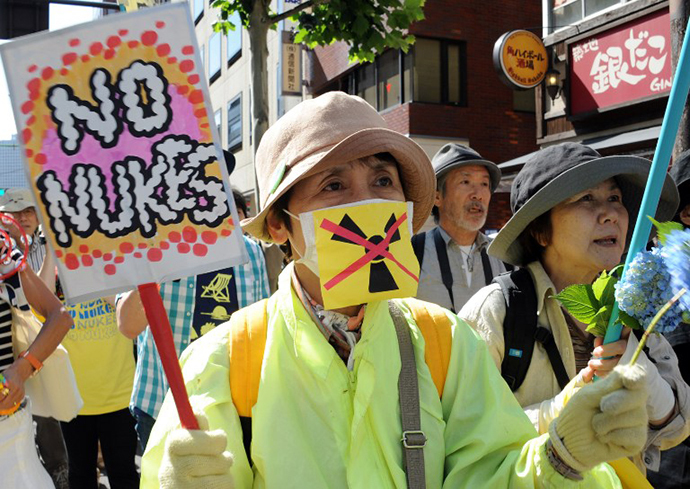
(121, 152)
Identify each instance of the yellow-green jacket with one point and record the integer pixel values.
(318, 425)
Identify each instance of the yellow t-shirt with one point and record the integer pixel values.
(102, 358)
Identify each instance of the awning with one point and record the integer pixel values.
(599, 143)
(641, 135)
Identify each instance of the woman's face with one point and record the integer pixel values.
(588, 230)
(364, 179)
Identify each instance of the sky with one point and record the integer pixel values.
(61, 16)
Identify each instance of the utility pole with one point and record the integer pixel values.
(680, 10)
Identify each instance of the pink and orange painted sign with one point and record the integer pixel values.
(121, 151)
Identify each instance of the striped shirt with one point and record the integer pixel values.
(11, 295)
(150, 384)
(37, 250)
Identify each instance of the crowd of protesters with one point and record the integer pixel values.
(323, 398)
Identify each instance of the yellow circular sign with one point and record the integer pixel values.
(520, 57)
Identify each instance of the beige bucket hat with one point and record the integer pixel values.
(329, 130)
(16, 200)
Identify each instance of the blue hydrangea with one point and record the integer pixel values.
(676, 253)
(645, 288)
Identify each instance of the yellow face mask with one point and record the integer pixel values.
(362, 252)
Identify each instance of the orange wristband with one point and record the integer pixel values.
(35, 362)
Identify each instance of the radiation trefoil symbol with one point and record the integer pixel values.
(376, 252)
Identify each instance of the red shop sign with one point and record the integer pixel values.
(630, 62)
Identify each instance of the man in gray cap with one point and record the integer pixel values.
(454, 263)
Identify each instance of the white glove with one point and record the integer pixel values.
(551, 408)
(196, 459)
(661, 400)
(604, 421)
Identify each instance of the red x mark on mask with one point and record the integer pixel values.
(374, 250)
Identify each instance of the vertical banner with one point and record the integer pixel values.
(121, 151)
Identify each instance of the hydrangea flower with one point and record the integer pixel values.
(645, 288)
(676, 253)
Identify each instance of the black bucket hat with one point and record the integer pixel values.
(558, 172)
(454, 155)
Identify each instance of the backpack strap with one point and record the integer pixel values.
(486, 266)
(444, 265)
(418, 241)
(436, 330)
(520, 330)
(413, 438)
(246, 347)
(519, 325)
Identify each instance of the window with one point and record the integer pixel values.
(214, 57)
(389, 79)
(434, 71)
(235, 123)
(366, 84)
(568, 12)
(234, 39)
(408, 73)
(523, 101)
(218, 117)
(202, 55)
(427, 71)
(198, 11)
(439, 72)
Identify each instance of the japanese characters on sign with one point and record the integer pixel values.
(291, 69)
(627, 63)
(520, 59)
(120, 152)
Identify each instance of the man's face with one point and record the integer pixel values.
(465, 201)
(27, 219)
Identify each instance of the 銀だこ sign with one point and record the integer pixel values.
(120, 153)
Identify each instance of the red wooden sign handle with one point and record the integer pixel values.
(162, 335)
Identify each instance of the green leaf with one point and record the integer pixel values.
(596, 329)
(663, 229)
(580, 302)
(617, 271)
(628, 320)
(604, 288)
(686, 317)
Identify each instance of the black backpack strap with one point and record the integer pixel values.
(444, 265)
(520, 330)
(486, 266)
(544, 336)
(519, 325)
(418, 246)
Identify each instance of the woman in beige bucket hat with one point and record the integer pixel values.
(327, 411)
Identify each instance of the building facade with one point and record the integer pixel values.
(614, 59)
(445, 89)
(226, 60)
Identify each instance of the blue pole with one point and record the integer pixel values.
(657, 173)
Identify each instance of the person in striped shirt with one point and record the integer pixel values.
(19, 463)
(19, 204)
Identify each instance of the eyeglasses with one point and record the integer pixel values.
(29, 211)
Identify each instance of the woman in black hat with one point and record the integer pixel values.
(573, 216)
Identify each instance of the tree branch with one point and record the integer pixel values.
(303, 6)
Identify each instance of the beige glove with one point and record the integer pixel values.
(661, 400)
(196, 459)
(604, 421)
(551, 408)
